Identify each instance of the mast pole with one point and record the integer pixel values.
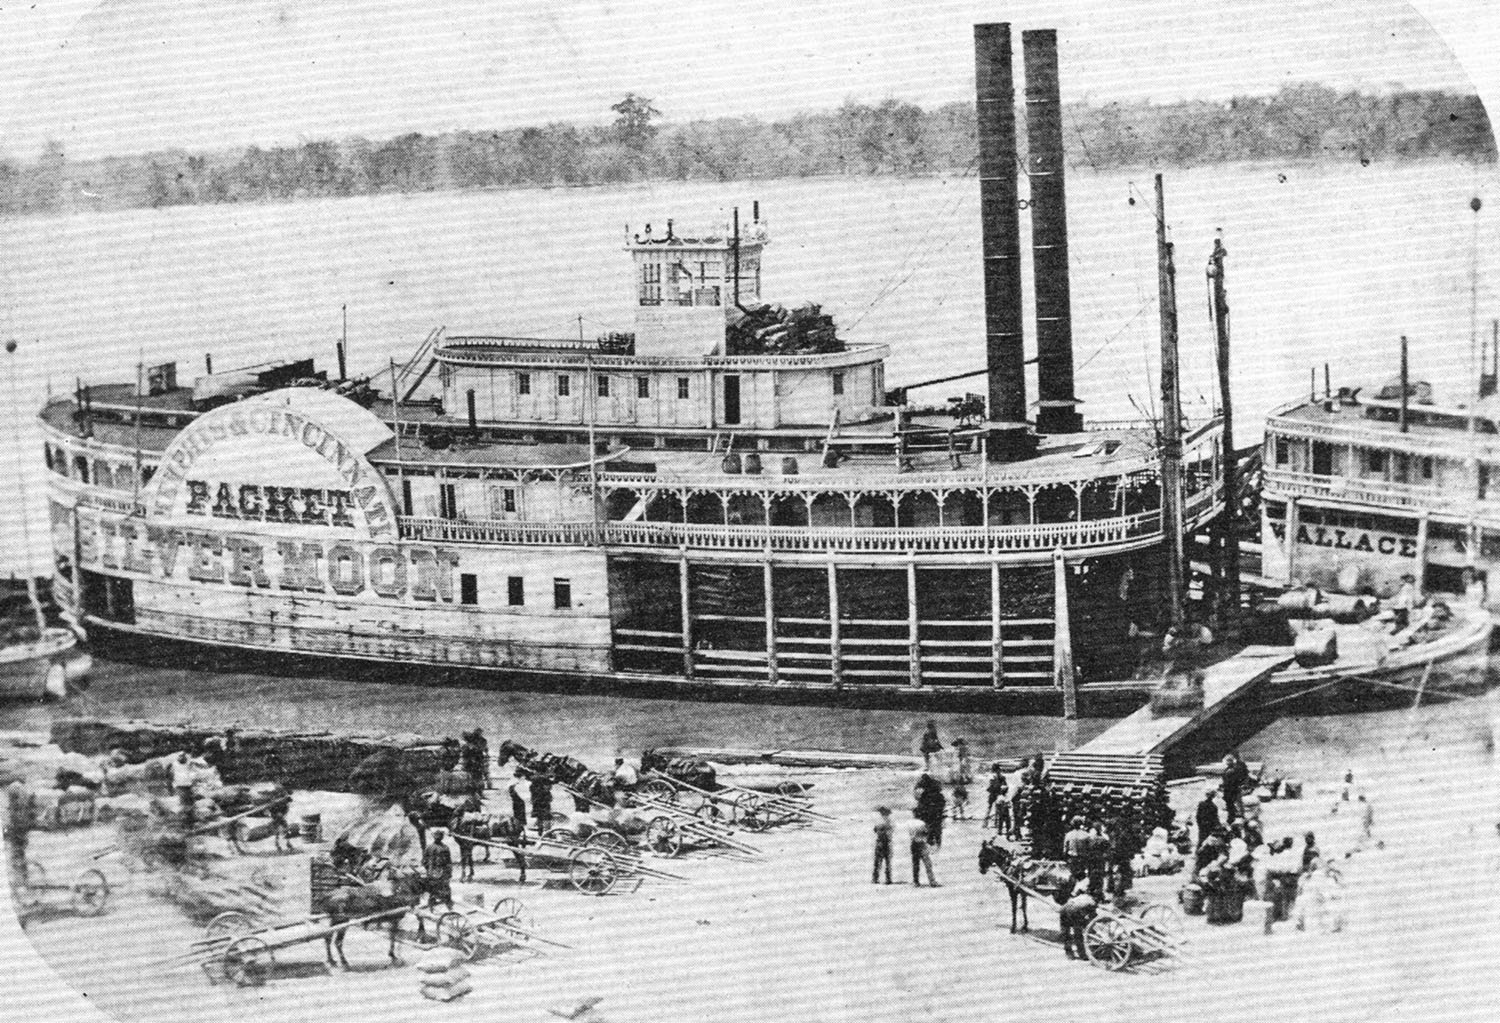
(1171, 411)
(1229, 594)
(15, 447)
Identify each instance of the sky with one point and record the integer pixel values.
(124, 76)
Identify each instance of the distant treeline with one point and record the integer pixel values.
(1300, 123)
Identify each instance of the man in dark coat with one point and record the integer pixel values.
(931, 744)
(541, 802)
(1075, 916)
(438, 862)
(1206, 816)
(1236, 777)
(931, 808)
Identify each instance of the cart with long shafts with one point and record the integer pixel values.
(594, 867)
(87, 893)
(752, 809)
(671, 827)
(1116, 937)
(473, 929)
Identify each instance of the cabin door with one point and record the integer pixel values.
(731, 401)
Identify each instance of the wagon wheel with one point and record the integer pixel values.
(1108, 943)
(710, 810)
(664, 836)
(592, 871)
(247, 960)
(746, 805)
(1164, 919)
(659, 788)
(756, 817)
(455, 931)
(512, 913)
(90, 893)
(792, 789)
(228, 923)
(560, 834)
(609, 840)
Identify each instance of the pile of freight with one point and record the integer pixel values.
(763, 329)
(305, 760)
(1131, 788)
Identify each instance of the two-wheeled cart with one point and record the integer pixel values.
(87, 892)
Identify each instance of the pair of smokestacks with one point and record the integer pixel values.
(1001, 221)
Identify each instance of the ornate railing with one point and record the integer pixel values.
(1384, 436)
(889, 540)
(489, 350)
(1284, 483)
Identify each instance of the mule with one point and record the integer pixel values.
(274, 801)
(1041, 875)
(392, 891)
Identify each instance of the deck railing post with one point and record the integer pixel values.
(913, 630)
(835, 654)
(687, 613)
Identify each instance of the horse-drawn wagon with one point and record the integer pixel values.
(87, 894)
(1114, 938)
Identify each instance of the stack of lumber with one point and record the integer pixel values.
(305, 760)
(1104, 786)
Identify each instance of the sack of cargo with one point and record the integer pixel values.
(1191, 897)
(448, 978)
(1316, 648)
(446, 994)
(440, 960)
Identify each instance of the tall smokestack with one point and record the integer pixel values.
(1001, 223)
(1049, 237)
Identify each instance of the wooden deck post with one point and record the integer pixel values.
(1421, 572)
(835, 654)
(997, 646)
(687, 615)
(1291, 541)
(913, 630)
(1062, 638)
(771, 671)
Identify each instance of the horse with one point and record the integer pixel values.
(1038, 874)
(269, 800)
(473, 826)
(430, 809)
(394, 890)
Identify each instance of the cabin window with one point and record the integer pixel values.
(643, 387)
(1375, 461)
(603, 385)
(81, 468)
(562, 594)
(502, 501)
(515, 591)
(447, 501)
(1283, 451)
(650, 284)
(838, 383)
(564, 385)
(1424, 467)
(1322, 458)
(508, 499)
(468, 589)
(682, 389)
(406, 497)
(523, 383)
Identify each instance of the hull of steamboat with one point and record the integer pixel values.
(727, 498)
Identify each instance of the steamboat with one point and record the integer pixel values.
(730, 498)
(1369, 489)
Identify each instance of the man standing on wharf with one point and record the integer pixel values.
(1236, 776)
(1206, 817)
(884, 831)
(438, 862)
(920, 856)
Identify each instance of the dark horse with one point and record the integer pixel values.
(268, 800)
(393, 892)
(428, 809)
(1044, 876)
(589, 787)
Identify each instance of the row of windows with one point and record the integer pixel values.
(515, 591)
(604, 386)
(1371, 460)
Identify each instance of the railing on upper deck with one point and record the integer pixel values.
(887, 540)
(1364, 433)
(1283, 483)
(574, 353)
